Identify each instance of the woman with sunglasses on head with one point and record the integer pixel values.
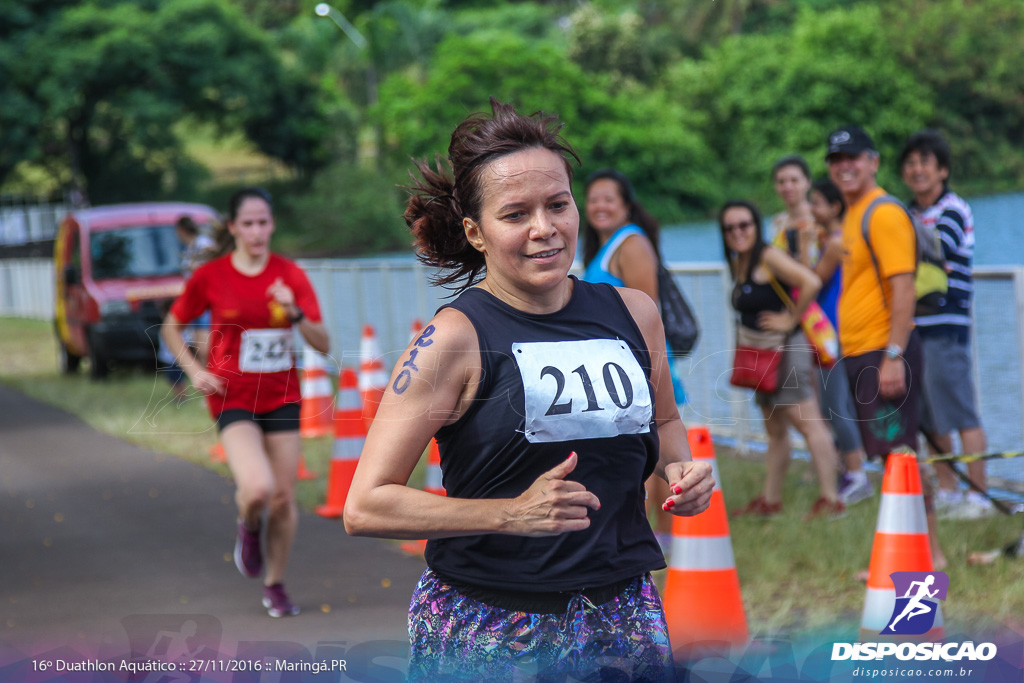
(759, 272)
(551, 404)
(620, 247)
(255, 299)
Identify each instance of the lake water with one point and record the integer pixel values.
(998, 234)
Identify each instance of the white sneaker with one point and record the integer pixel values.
(947, 502)
(972, 507)
(858, 489)
(982, 506)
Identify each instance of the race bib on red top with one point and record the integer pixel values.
(586, 389)
(267, 350)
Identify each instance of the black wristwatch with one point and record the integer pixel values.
(297, 318)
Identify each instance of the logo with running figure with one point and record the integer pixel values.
(915, 611)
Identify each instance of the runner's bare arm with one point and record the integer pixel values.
(315, 333)
(172, 334)
(892, 375)
(432, 385)
(830, 259)
(691, 482)
(903, 302)
(638, 265)
(791, 272)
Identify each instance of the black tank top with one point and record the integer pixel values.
(550, 384)
(750, 298)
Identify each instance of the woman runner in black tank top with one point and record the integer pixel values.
(551, 401)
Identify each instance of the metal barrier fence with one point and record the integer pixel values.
(390, 294)
(29, 221)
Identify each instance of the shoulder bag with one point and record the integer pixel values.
(757, 360)
(816, 327)
(681, 328)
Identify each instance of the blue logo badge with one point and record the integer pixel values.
(916, 602)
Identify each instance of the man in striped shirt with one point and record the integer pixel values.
(948, 400)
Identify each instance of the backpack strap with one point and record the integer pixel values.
(865, 229)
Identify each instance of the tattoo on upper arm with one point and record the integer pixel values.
(404, 378)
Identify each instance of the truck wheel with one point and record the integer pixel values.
(98, 367)
(67, 361)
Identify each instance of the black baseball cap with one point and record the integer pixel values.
(850, 140)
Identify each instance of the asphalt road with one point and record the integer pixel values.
(109, 551)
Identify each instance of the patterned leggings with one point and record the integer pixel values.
(457, 638)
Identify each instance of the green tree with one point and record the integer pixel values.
(609, 123)
(271, 14)
(526, 19)
(418, 113)
(111, 78)
(969, 55)
(619, 43)
(349, 210)
(765, 96)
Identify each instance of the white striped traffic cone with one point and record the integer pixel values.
(901, 545)
(702, 591)
(349, 437)
(315, 419)
(373, 380)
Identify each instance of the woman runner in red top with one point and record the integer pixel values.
(256, 298)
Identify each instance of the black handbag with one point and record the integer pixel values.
(681, 328)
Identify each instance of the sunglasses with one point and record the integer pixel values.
(742, 225)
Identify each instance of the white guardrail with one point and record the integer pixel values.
(390, 294)
(27, 288)
(29, 220)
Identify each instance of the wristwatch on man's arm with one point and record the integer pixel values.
(893, 351)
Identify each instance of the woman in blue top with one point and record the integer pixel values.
(620, 239)
(620, 247)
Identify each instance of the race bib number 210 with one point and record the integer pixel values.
(586, 389)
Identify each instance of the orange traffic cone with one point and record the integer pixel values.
(702, 591)
(901, 545)
(372, 378)
(349, 436)
(315, 418)
(416, 328)
(217, 453)
(303, 473)
(431, 485)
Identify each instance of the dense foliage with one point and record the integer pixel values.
(98, 87)
(693, 100)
